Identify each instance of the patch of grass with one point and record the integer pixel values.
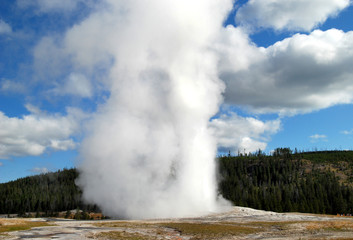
(211, 230)
(194, 230)
(281, 225)
(330, 226)
(25, 225)
(124, 224)
(216, 230)
(122, 236)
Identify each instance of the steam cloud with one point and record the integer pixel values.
(150, 152)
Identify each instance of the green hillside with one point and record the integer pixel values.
(49, 193)
(316, 182)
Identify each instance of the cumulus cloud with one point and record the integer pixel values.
(80, 48)
(50, 60)
(299, 74)
(5, 28)
(288, 14)
(11, 86)
(76, 63)
(50, 5)
(245, 134)
(318, 137)
(236, 50)
(76, 84)
(33, 134)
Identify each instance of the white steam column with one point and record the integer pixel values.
(150, 153)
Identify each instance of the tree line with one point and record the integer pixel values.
(288, 182)
(285, 181)
(45, 193)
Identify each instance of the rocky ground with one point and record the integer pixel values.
(238, 223)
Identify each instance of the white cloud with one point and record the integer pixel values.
(50, 60)
(299, 74)
(347, 132)
(33, 134)
(1, 164)
(76, 84)
(10, 86)
(78, 52)
(318, 137)
(236, 50)
(5, 28)
(39, 170)
(236, 133)
(288, 14)
(50, 5)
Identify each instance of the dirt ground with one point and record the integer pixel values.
(237, 223)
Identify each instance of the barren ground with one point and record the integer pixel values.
(238, 223)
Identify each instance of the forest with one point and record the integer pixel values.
(310, 182)
(44, 194)
(285, 181)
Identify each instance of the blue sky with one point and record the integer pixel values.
(287, 72)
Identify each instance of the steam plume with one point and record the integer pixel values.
(150, 152)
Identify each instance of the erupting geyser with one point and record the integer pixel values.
(150, 153)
